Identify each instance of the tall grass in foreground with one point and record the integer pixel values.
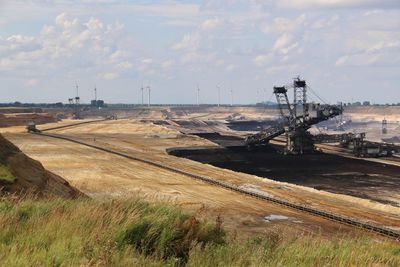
(136, 233)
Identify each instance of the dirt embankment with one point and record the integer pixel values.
(373, 113)
(24, 174)
(22, 116)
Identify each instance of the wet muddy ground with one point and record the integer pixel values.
(321, 171)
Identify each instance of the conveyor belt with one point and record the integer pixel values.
(259, 195)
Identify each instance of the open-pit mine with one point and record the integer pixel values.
(199, 157)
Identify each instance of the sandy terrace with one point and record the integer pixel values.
(100, 174)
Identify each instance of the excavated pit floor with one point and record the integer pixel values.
(101, 174)
(332, 173)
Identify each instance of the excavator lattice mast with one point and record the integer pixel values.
(297, 119)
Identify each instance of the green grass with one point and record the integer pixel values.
(136, 233)
(5, 174)
(7, 149)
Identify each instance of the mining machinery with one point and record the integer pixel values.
(298, 117)
(111, 117)
(31, 128)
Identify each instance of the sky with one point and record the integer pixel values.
(346, 50)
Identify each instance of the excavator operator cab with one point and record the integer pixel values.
(279, 90)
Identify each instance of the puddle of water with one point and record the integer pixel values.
(275, 217)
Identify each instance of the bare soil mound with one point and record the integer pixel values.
(21, 174)
(22, 116)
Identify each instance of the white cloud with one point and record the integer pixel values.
(358, 60)
(30, 83)
(378, 21)
(210, 24)
(109, 75)
(259, 36)
(115, 56)
(147, 60)
(284, 43)
(262, 60)
(395, 45)
(67, 23)
(219, 62)
(230, 67)
(324, 23)
(373, 12)
(67, 46)
(189, 41)
(342, 60)
(282, 24)
(312, 4)
(125, 65)
(168, 9)
(155, 8)
(94, 24)
(380, 54)
(367, 40)
(47, 30)
(167, 64)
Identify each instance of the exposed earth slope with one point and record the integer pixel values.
(19, 174)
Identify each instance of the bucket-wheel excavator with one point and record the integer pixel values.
(297, 119)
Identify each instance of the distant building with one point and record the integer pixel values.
(366, 103)
(97, 103)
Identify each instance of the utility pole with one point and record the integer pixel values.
(219, 95)
(231, 92)
(148, 104)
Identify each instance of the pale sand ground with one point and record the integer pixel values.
(103, 175)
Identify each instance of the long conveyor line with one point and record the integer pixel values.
(72, 125)
(299, 207)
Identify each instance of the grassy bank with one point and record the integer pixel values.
(135, 233)
(6, 150)
(5, 174)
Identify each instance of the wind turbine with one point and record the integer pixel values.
(219, 95)
(265, 97)
(148, 88)
(258, 96)
(95, 93)
(77, 99)
(142, 89)
(231, 92)
(198, 95)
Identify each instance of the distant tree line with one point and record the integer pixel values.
(101, 104)
(98, 103)
(33, 105)
(368, 103)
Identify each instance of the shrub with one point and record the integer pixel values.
(135, 233)
(169, 233)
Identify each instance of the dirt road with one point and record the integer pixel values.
(102, 175)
